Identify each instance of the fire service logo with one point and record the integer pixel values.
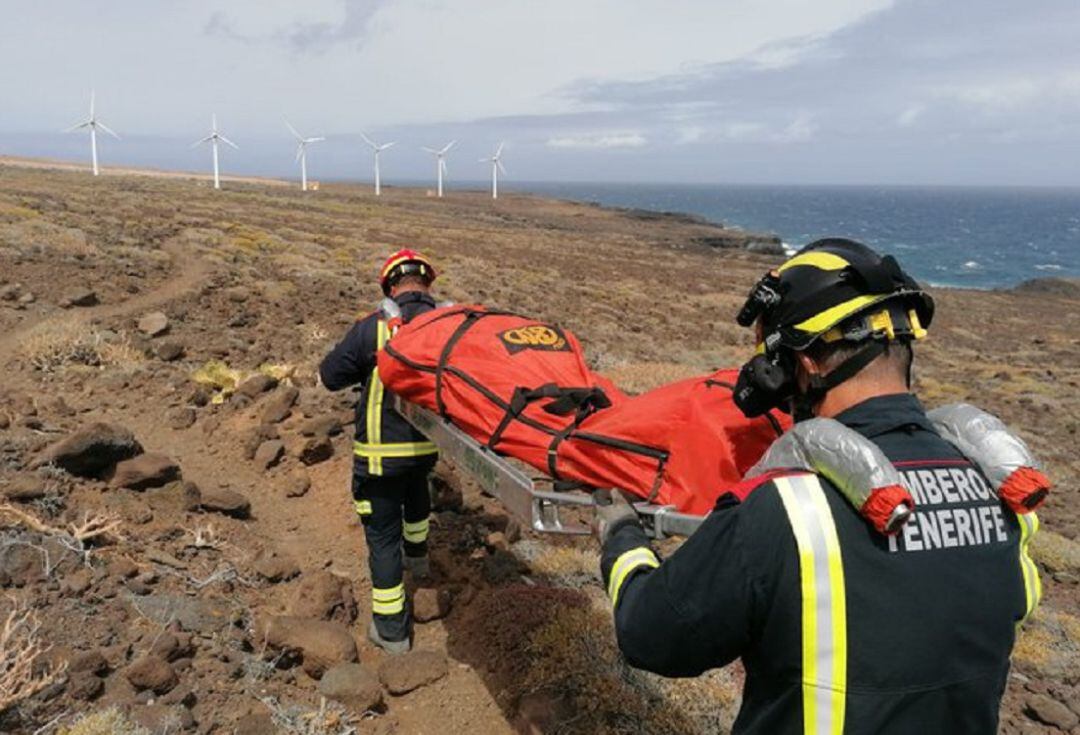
(534, 337)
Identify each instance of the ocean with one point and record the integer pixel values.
(948, 236)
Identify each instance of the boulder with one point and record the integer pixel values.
(256, 385)
(92, 662)
(403, 674)
(84, 686)
(430, 604)
(279, 406)
(320, 644)
(180, 418)
(154, 324)
(153, 673)
(91, 450)
(321, 426)
(354, 686)
(275, 566)
(268, 453)
(170, 350)
(79, 297)
(1050, 712)
(297, 485)
(146, 470)
(225, 501)
(315, 450)
(25, 488)
(324, 596)
(205, 615)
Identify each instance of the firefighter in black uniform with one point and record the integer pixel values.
(393, 460)
(841, 629)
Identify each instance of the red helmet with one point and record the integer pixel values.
(405, 262)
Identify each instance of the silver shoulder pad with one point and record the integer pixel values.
(390, 308)
(843, 456)
(984, 439)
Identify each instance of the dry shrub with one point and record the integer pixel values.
(638, 377)
(1056, 552)
(21, 675)
(218, 377)
(109, 721)
(567, 565)
(1049, 644)
(53, 347)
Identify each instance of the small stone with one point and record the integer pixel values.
(315, 450)
(256, 385)
(320, 643)
(297, 485)
(269, 453)
(180, 418)
(324, 596)
(169, 351)
(146, 470)
(280, 405)
(151, 673)
(354, 686)
(154, 324)
(91, 662)
(430, 604)
(77, 582)
(84, 686)
(226, 501)
(79, 297)
(275, 566)
(1050, 712)
(321, 426)
(496, 540)
(25, 488)
(403, 674)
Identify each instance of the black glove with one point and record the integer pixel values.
(613, 511)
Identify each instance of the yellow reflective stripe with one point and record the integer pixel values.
(415, 532)
(1029, 526)
(824, 605)
(835, 314)
(818, 259)
(627, 562)
(362, 507)
(374, 404)
(400, 449)
(388, 601)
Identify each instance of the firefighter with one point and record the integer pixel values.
(841, 628)
(392, 460)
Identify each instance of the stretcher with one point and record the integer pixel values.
(546, 511)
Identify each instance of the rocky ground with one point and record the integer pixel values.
(177, 546)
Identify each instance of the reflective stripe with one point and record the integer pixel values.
(389, 601)
(627, 562)
(362, 507)
(826, 261)
(400, 449)
(1029, 526)
(822, 321)
(415, 532)
(374, 404)
(824, 607)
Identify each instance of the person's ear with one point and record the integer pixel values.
(807, 367)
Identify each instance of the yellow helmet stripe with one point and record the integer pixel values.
(821, 322)
(816, 259)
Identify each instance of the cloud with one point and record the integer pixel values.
(910, 115)
(598, 140)
(303, 36)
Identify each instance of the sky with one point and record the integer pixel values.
(697, 91)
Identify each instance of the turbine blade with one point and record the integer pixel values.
(293, 130)
(430, 150)
(498, 151)
(368, 140)
(107, 129)
(391, 144)
(299, 152)
(77, 126)
(198, 143)
(484, 160)
(442, 164)
(315, 139)
(448, 147)
(225, 140)
(91, 104)
(213, 122)
(500, 166)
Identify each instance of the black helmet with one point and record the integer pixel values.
(831, 290)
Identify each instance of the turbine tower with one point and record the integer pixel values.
(440, 162)
(213, 140)
(496, 167)
(94, 124)
(301, 152)
(377, 150)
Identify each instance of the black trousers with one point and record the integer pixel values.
(394, 512)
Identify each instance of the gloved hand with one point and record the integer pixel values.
(613, 511)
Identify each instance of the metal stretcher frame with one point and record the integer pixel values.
(539, 509)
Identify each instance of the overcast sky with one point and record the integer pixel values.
(771, 91)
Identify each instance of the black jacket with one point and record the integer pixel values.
(927, 619)
(386, 444)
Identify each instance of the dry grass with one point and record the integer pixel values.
(566, 565)
(21, 673)
(638, 377)
(53, 347)
(1056, 552)
(1049, 644)
(109, 721)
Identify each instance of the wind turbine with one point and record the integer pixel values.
(213, 140)
(440, 161)
(496, 167)
(377, 149)
(93, 123)
(301, 152)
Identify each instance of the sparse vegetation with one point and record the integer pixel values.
(109, 721)
(21, 673)
(58, 346)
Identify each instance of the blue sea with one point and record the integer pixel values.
(967, 237)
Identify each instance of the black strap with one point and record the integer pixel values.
(471, 318)
(709, 383)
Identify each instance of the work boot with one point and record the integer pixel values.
(418, 566)
(394, 648)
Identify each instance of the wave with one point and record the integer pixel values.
(1048, 267)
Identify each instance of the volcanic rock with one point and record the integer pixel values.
(256, 385)
(1050, 712)
(280, 405)
(269, 453)
(324, 596)
(320, 643)
(315, 450)
(91, 662)
(297, 485)
(354, 686)
(321, 426)
(79, 297)
(146, 470)
(25, 488)
(430, 604)
(84, 686)
(153, 673)
(169, 351)
(228, 502)
(275, 566)
(92, 450)
(180, 418)
(403, 674)
(154, 324)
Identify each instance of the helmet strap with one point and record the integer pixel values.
(820, 385)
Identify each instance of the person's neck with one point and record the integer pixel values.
(408, 289)
(853, 392)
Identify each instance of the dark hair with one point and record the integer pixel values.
(898, 356)
(412, 279)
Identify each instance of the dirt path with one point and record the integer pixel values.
(189, 270)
